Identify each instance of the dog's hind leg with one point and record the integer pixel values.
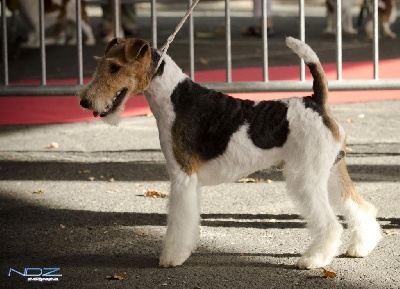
(307, 183)
(183, 220)
(360, 215)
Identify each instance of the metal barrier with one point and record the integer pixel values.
(261, 86)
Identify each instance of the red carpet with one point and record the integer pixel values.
(63, 109)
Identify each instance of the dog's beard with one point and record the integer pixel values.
(114, 117)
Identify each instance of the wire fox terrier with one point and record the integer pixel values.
(208, 138)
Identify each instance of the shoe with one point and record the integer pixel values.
(257, 31)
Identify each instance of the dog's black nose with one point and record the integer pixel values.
(85, 103)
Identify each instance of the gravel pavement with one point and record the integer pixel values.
(81, 208)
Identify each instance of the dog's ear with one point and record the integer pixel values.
(97, 58)
(113, 42)
(136, 49)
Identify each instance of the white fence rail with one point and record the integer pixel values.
(6, 89)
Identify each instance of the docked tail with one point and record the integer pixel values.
(320, 84)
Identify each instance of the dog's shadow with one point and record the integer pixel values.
(154, 171)
(77, 237)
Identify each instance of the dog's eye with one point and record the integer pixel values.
(114, 68)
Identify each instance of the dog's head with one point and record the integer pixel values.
(124, 70)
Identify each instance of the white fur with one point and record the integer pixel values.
(183, 231)
(184, 206)
(115, 117)
(240, 159)
(302, 50)
(365, 230)
(158, 96)
(308, 162)
(309, 154)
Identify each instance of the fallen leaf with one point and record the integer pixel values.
(53, 145)
(111, 180)
(38, 192)
(84, 172)
(329, 274)
(391, 232)
(248, 180)
(268, 181)
(349, 149)
(62, 226)
(220, 31)
(91, 178)
(204, 35)
(143, 234)
(121, 276)
(155, 194)
(203, 61)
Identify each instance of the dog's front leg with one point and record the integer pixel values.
(183, 220)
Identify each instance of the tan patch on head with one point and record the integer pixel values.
(185, 156)
(124, 66)
(349, 190)
(134, 57)
(112, 43)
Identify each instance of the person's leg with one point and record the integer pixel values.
(257, 13)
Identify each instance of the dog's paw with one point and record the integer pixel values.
(358, 251)
(362, 249)
(313, 262)
(170, 259)
(364, 240)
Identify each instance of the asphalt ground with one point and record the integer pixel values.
(81, 207)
